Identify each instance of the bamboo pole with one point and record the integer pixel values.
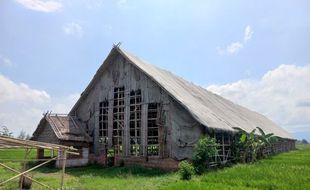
(26, 160)
(27, 151)
(13, 170)
(20, 142)
(63, 168)
(22, 173)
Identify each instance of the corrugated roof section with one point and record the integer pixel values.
(206, 107)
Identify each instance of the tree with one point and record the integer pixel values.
(5, 131)
(304, 141)
(22, 135)
(28, 137)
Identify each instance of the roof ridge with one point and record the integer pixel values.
(55, 129)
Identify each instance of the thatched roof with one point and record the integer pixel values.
(65, 127)
(209, 109)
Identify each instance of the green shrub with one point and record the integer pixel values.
(186, 170)
(204, 150)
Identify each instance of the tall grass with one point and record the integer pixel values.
(284, 171)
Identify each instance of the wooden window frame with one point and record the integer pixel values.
(153, 147)
(118, 119)
(103, 119)
(135, 113)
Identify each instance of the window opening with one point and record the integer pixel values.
(135, 123)
(103, 120)
(118, 119)
(153, 130)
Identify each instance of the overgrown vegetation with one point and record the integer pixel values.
(284, 171)
(204, 150)
(250, 146)
(186, 170)
(247, 147)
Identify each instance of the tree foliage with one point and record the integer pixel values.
(304, 141)
(5, 131)
(22, 135)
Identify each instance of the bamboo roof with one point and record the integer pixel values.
(11, 142)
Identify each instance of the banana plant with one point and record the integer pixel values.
(249, 144)
(265, 140)
(253, 144)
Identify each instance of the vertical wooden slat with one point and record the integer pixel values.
(223, 147)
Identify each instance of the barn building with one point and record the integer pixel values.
(145, 115)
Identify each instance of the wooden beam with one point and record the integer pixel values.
(20, 142)
(24, 160)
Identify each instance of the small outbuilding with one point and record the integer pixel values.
(64, 130)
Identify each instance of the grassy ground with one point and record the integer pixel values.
(284, 171)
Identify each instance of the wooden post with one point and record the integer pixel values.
(64, 158)
(229, 147)
(40, 153)
(223, 148)
(218, 151)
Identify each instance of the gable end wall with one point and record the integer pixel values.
(179, 126)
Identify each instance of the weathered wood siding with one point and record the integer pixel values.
(179, 130)
(47, 134)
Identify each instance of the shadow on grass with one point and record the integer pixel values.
(109, 172)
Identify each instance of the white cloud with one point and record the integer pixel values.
(21, 107)
(10, 91)
(235, 47)
(91, 4)
(125, 5)
(5, 61)
(41, 5)
(121, 3)
(282, 94)
(248, 32)
(73, 29)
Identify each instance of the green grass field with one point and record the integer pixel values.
(284, 171)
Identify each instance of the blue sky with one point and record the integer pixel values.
(55, 47)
